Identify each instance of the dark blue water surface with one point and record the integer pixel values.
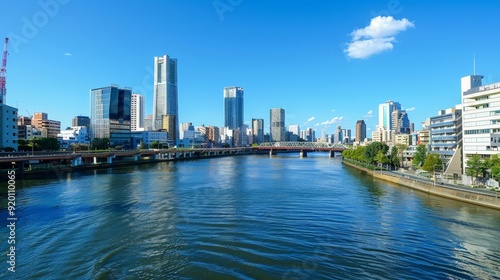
(245, 217)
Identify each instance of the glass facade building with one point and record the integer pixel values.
(110, 114)
(165, 100)
(278, 132)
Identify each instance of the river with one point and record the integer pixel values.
(245, 217)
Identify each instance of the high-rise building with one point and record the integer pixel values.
(277, 120)
(110, 114)
(360, 131)
(233, 107)
(481, 128)
(170, 126)
(385, 114)
(346, 136)
(233, 110)
(258, 130)
(446, 136)
(137, 112)
(400, 122)
(48, 128)
(294, 129)
(165, 100)
(81, 121)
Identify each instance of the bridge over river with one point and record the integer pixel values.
(302, 147)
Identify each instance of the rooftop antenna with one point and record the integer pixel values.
(474, 63)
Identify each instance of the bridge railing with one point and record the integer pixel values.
(292, 144)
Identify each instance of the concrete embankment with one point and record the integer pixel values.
(487, 199)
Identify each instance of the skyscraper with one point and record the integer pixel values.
(137, 112)
(385, 114)
(233, 107)
(110, 114)
(233, 111)
(165, 100)
(258, 130)
(360, 131)
(81, 121)
(277, 125)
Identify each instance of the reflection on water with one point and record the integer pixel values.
(247, 217)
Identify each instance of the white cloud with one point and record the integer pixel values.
(333, 110)
(410, 109)
(310, 119)
(332, 121)
(370, 112)
(67, 54)
(376, 37)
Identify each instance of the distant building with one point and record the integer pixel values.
(165, 100)
(80, 121)
(446, 132)
(234, 111)
(385, 114)
(277, 122)
(169, 124)
(258, 130)
(360, 131)
(337, 135)
(346, 136)
(49, 128)
(8, 127)
(110, 114)
(148, 123)
(137, 112)
(294, 129)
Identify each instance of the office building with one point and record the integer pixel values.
(400, 122)
(446, 132)
(72, 136)
(337, 135)
(110, 114)
(385, 114)
(346, 136)
(137, 112)
(80, 121)
(480, 118)
(234, 110)
(360, 131)
(277, 121)
(258, 130)
(8, 127)
(165, 101)
(169, 124)
(48, 128)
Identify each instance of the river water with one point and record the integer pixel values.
(245, 217)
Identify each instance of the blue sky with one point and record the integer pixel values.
(290, 54)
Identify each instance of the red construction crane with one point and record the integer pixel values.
(3, 71)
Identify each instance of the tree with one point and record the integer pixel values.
(372, 150)
(432, 162)
(419, 157)
(401, 149)
(475, 167)
(382, 158)
(143, 146)
(155, 144)
(394, 156)
(100, 143)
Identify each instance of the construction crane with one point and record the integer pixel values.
(3, 71)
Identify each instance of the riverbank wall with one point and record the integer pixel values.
(464, 194)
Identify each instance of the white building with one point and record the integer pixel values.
(74, 135)
(137, 112)
(480, 118)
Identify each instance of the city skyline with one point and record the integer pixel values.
(308, 58)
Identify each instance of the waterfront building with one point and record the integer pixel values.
(48, 128)
(169, 124)
(72, 136)
(148, 137)
(110, 114)
(308, 135)
(258, 130)
(480, 118)
(446, 136)
(165, 100)
(8, 127)
(277, 121)
(137, 112)
(213, 135)
(360, 131)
